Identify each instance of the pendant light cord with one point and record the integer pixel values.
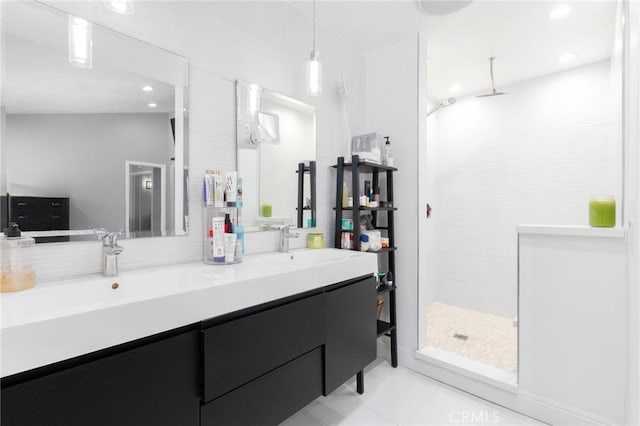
(314, 25)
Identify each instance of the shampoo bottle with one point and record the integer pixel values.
(387, 156)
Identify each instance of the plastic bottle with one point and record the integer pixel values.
(387, 156)
(345, 195)
(17, 272)
(239, 231)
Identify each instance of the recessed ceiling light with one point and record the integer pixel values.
(560, 11)
(455, 88)
(147, 88)
(566, 57)
(123, 7)
(152, 105)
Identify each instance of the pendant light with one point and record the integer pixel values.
(314, 67)
(80, 42)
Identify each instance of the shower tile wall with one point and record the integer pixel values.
(535, 155)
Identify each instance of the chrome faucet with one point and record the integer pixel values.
(110, 251)
(285, 235)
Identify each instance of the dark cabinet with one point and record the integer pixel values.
(252, 367)
(240, 350)
(271, 398)
(38, 214)
(351, 331)
(154, 384)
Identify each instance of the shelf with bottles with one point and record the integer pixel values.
(363, 212)
(223, 233)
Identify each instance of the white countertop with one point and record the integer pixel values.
(572, 230)
(59, 320)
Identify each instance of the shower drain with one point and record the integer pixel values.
(460, 336)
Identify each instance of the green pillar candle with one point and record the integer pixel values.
(266, 210)
(602, 212)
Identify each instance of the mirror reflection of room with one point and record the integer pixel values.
(275, 133)
(79, 124)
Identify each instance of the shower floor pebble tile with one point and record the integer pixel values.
(492, 339)
(402, 397)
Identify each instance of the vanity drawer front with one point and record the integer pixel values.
(269, 399)
(240, 350)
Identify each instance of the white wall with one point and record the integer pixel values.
(392, 91)
(535, 155)
(218, 52)
(632, 137)
(3, 156)
(90, 151)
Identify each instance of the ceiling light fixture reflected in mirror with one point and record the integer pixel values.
(152, 105)
(123, 7)
(560, 12)
(80, 42)
(147, 89)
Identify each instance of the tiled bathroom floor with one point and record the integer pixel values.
(491, 339)
(399, 396)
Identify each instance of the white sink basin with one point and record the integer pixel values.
(307, 258)
(59, 320)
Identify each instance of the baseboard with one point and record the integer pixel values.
(543, 410)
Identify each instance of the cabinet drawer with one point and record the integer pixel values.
(240, 350)
(155, 384)
(269, 399)
(44, 204)
(40, 221)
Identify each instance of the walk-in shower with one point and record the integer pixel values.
(488, 161)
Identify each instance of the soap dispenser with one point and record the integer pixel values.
(387, 156)
(17, 271)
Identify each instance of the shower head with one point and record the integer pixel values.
(494, 92)
(447, 102)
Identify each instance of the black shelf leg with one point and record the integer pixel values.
(360, 382)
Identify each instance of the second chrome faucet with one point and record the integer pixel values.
(110, 251)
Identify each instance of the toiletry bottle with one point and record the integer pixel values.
(345, 195)
(239, 231)
(387, 156)
(17, 272)
(218, 239)
(228, 227)
(239, 193)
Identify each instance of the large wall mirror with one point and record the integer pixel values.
(275, 135)
(94, 129)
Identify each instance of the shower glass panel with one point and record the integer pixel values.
(520, 130)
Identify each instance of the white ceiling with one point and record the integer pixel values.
(39, 79)
(525, 42)
(518, 33)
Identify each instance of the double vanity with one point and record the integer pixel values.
(189, 344)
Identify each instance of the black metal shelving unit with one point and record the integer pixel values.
(301, 208)
(357, 167)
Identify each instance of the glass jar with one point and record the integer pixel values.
(602, 211)
(16, 253)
